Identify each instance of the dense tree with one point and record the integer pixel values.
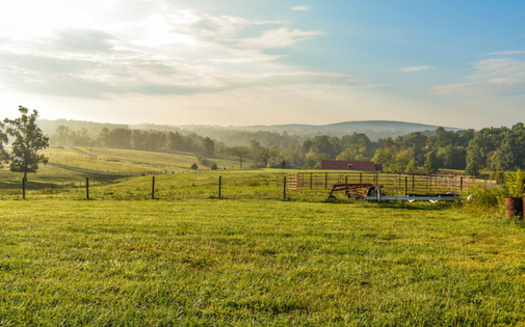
(28, 140)
(62, 135)
(116, 138)
(504, 157)
(452, 157)
(475, 159)
(431, 163)
(81, 138)
(208, 147)
(175, 142)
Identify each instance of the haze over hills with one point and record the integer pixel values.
(373, 129)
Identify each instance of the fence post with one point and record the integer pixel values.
(153, 188)
(284, 188)
(24, 188)
(87, 188)
(220, 187)
(461, 185)
(406, 185)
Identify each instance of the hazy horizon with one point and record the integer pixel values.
(233, 63)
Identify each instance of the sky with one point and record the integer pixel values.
(239, 62)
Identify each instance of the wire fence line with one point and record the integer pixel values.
(107, 173)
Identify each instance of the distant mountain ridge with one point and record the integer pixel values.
(374, 129)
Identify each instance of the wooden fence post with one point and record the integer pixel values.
(153, 188)
(24, 188)
(284, 188)
(220, 187)
(87, 188)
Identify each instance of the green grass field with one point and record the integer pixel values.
(248, 263)
(250, 258)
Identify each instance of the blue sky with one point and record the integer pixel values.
(233, 62)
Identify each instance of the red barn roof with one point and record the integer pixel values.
(351, 165)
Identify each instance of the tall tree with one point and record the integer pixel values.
(208, 147)
(29, 139)
(241, 152)
(3, 139)
(431, 163)
(475, 159)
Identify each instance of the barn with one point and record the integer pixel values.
(351, 165)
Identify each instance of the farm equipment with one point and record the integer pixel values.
(352, 190)
(369, 192)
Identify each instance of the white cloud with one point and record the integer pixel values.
(137, 52)
(493, 78)
(508, 53)
(279, 38)
(300, 8)
(413, 69)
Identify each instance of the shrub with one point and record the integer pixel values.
(214, 166)
(205, 162)
(194, 166)
(482, 199)
(515, 184)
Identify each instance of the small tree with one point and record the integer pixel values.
(29, 139)
(240, 151)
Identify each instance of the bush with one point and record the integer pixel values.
(482, 199)
(515, 184)
(194, 166)
(205, 162)
(214, 166)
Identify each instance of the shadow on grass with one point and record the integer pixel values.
(29, 186)
(402, 205)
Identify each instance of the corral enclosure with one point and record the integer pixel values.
(394, 184)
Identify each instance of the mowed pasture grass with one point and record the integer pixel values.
(235, 262)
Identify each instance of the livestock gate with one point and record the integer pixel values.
(392, 184)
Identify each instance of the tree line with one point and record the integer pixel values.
(494, 149)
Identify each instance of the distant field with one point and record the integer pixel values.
(122, 161)
(256, 263)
